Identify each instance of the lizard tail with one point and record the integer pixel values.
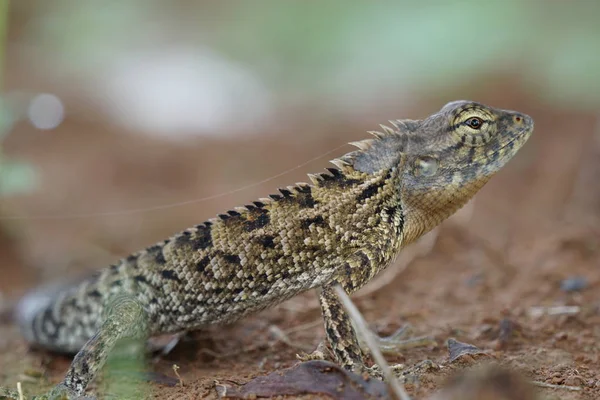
(47, 319)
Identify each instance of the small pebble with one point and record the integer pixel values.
(574, 380)
(557, 380)
(574, 284)
(561, 336)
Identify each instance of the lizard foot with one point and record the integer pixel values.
(318, 354)
(375, 371)
(59, 392)
(405, 374)
(6, 393)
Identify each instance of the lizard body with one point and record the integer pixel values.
(344, 228)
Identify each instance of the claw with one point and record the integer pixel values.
(318, 354)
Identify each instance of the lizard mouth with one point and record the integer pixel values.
(523, 134)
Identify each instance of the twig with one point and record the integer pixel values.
(396, 388)
(218, 384)
(557, 310)
(20, 391)
(551, 386)
(176, 370)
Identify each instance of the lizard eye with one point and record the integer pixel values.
(474, 127)
(426, 166)
(474, 123)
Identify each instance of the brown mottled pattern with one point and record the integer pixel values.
(344, 228)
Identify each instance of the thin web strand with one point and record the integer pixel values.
(165, 206)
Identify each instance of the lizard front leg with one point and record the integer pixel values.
(124, 318)
(340, 333)
(349, 351)
(356, 272)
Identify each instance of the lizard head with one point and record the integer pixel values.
(450, 155)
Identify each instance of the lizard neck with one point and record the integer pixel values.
(424, 211)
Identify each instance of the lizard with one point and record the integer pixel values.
(342, 229)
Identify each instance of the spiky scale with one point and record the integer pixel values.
(340, 163)
(315, 179)
(386, 129)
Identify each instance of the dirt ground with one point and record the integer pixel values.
(516, 274)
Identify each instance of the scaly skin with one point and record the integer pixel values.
(343, 229)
